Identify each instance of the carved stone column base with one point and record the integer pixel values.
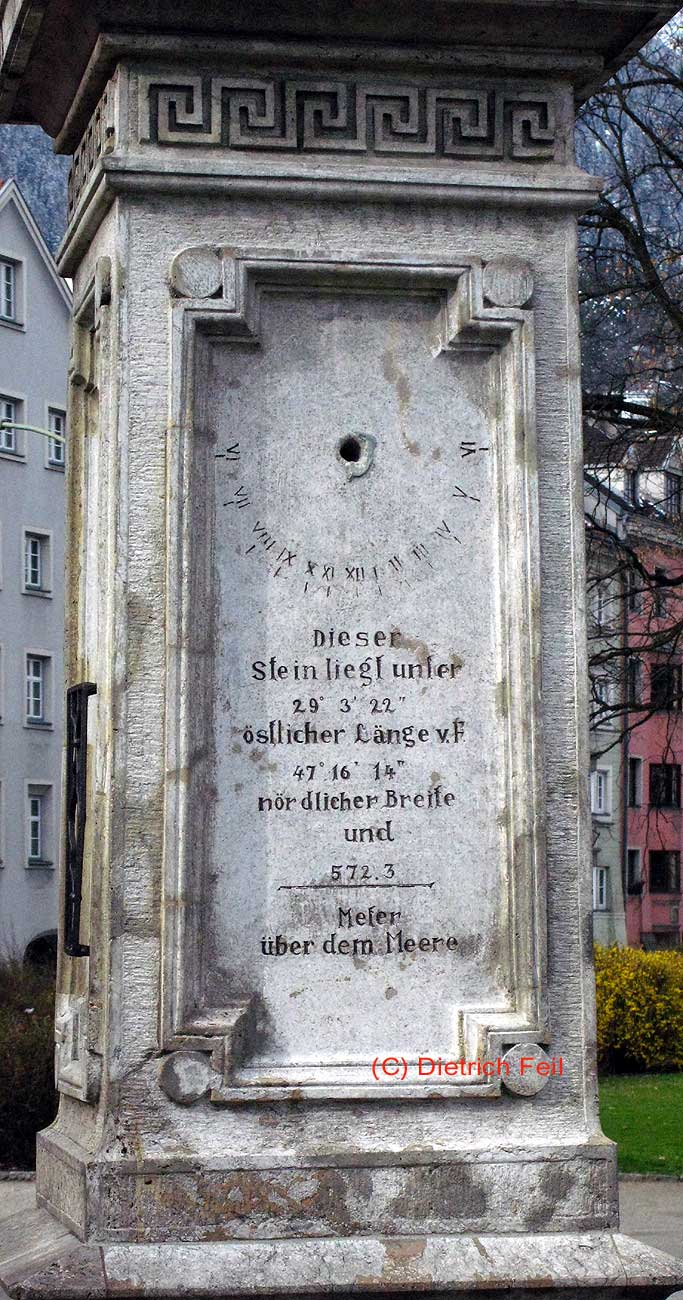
(591, 1264)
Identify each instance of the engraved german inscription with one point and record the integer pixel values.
(358, 742)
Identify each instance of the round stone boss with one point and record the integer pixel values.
(197, 272)
(528, 1082)
(508, 281)
(186, 1076)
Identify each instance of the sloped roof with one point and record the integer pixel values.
(600, 447)
(10, 193)
(607, 446)
(655, 451)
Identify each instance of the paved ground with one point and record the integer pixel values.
(15, 1197)
(652, 1211)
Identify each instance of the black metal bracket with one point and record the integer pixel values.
(76, 787)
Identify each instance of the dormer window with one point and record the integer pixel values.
(659, 594)
(631, 486)
(673, 495)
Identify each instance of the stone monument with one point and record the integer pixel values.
(325, 1015)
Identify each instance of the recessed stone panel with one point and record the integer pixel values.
(351, 831)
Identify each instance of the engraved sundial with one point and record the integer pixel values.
(417, 550)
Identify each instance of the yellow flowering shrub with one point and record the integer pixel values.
(639, 1009)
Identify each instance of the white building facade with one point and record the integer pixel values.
(34, 355)
(604, 513)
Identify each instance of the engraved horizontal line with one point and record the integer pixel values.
(386, 884)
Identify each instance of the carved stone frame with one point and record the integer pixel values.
(215, 292)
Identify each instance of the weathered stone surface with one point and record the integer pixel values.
(581, 1266)
(530, 1068)
(186, 1076)
(196, 273)
(508, 282)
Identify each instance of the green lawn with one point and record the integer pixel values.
(644, 1114)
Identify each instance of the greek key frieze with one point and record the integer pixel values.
(348, 117)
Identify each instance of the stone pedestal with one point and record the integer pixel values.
(325, 1015)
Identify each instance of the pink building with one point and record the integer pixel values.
(653, 744)
(634, 510)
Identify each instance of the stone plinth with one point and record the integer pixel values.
(325, 1015)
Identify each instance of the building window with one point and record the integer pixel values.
(57, 425)
(33, 567)
(633, 871)
(600, 602)
(634, 681)
(600, 889)
(39, 846)
(659, 594)
(8, 413)
(36, 562)
(635, 591)
(635, 782)
(665, 686)
(8, 290)
(665, 872)
(36, 689)
(35, 827)
(602, 696)
(601, 792)
(631, 486)
(665, 785)
(673, 494)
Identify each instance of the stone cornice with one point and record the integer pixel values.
(593, 38)
(361, 133)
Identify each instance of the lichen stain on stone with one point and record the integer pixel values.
(402, 1259)
(316, 1195)
(390, 993)
(469, 945)
(260, 756)
(555, 1184)
(402, 1256)
(407, 961)
(448, 1199)
(246, 1199)
(402, 641)
(399, 381)
(268, 1121)
(405, 1248)
(494, 946)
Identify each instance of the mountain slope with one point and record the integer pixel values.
(26, 156)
